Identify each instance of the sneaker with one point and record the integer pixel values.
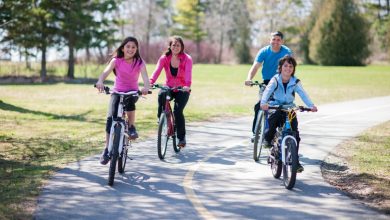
(182, 143)
(104, 158)
(132, 132)
(300, 168)
(267, 144)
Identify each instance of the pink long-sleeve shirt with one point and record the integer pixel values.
(184, 73)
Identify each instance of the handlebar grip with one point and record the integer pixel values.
(302, 108)
(106, 89)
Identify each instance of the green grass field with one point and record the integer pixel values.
(368, 175)
(45, 126)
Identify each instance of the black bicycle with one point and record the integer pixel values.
(260, 126)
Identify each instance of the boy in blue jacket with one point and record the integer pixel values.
(281, 91)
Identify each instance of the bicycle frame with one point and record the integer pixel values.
(170, 116)
(119, 120)
(286, 131)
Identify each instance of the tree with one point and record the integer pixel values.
(309, 23)
(218, 23)
(30, 26)
(83, 24)
(380, 15)
(190, 18)
(240, 34)
(340, 35)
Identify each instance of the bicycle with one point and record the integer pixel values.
(260, 126)
(283, 156)
(119, 141)
(166, 124)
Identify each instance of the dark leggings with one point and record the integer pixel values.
(181, 99)
(129, 105)
(256, 109)
(276, 119)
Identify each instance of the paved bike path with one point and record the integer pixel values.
(215, 177)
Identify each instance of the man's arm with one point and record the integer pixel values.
(252, 72)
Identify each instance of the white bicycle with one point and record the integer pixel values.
(119, 141)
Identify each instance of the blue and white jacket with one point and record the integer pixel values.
(275, 95)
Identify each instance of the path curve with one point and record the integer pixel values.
(216, 177)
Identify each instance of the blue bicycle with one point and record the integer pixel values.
(283, 156)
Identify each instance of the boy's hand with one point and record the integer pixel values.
(264, 107)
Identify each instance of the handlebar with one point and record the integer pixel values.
(289, 108)
(166, 88)
(108, 91)
(256, 83)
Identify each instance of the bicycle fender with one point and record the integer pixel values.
(284, 146)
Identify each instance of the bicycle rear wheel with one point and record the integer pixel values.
(276, 164)
(290, 167)
(114, 154)
(123, 157)
(259, 136)
(162, 136)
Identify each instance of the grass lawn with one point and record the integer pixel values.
(367, 175)
(45, 126)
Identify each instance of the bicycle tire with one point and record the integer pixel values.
(276, 167)
(259, 136)
(162, 136)
(114, 154)
(122, 160)
(290, 168)
(175, 147)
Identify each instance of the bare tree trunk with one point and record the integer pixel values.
(43, 63)
(148, 30)
(71, 61)
(88, 54)
(27, 56)
(198, 38)
(222, 29)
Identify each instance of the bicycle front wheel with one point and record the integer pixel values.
(259, 136)
(291, 163)
(175, 147)
(114, 154)
(123, 157)
(162, 136)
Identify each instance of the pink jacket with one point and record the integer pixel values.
(184, 73)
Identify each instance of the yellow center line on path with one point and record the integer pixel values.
(190, 193)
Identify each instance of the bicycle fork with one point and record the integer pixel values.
(112, 133)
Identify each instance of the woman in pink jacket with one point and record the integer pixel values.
(178, 71)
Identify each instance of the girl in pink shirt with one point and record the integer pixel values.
(127, 65)
(178, 71)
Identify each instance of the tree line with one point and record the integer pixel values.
(334, 32)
